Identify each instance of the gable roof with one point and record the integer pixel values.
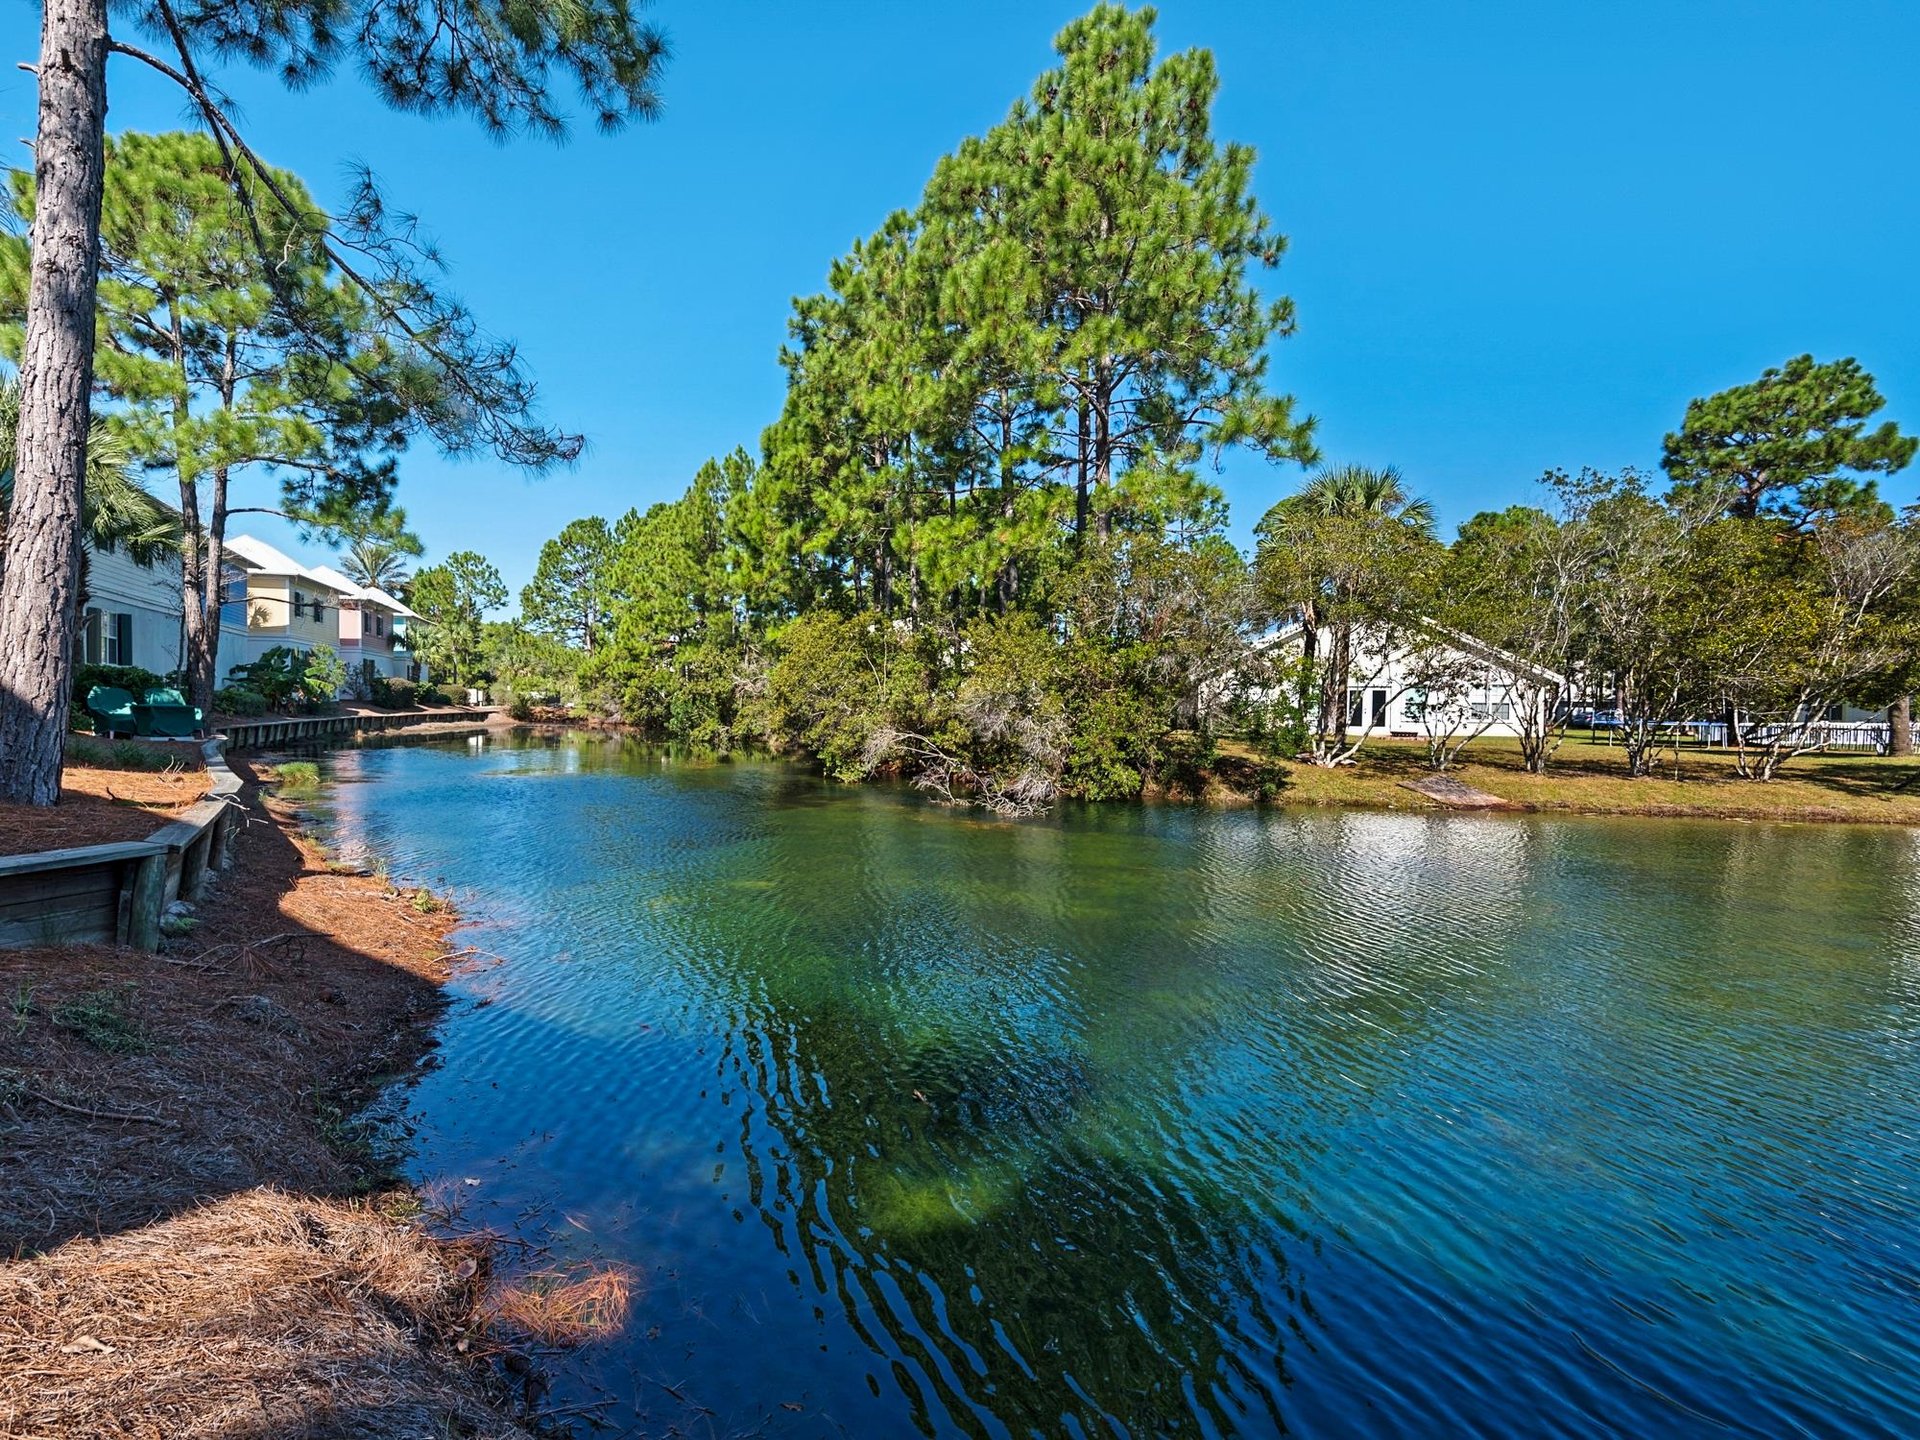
(1292, 629)
(269, 561)
(393, 603)
(366, 594)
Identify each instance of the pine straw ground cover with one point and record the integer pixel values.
(199, 1246)
(125, 791)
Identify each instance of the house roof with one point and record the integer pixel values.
(366, 594)
(269, 561)
(1292, 628)
(392, 602)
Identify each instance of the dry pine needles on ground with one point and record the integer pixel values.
(103, 807)
(262, 1314)
(154, 1112)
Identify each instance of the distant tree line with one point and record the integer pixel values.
(979, 546)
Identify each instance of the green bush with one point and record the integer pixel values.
(1187, 759)
(274, 677)
(834, 688)
(285, 677)
(392, 694)
(432, 695)
(238, 700)
(324, 675)
(130, 678)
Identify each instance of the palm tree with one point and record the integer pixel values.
(1355, 490)
(377, 564)
(1340, 495)
(378, 546)
(115, 508)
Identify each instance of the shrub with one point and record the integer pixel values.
(830, 693)
(131, 678)
(1186, 759)
(275, 676)
(285, 677)
(432, 695)
(323, 676)
(239, 700)
(392, 694)
(1002, 732)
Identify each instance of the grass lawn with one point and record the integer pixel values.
(1589, 778)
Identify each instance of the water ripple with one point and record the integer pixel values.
(1154, 1122)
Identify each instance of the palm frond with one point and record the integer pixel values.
(115, 507)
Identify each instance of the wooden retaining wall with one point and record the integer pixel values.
(118, 893)
(274, 730)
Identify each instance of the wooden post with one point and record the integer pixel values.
(193, 863)
(219, 837)
(147, 901)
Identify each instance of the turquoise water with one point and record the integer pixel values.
(1150, 1121)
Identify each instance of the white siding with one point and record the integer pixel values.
(150, 597)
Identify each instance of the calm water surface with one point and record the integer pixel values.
(1148, 1122)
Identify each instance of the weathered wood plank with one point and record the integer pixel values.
(76, 855)
(17, 890)
(149, 898)
(79, 926)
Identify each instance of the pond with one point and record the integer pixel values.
(1155, 1121)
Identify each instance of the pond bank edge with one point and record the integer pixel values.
(408, 1311)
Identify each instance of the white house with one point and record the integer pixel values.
(131, 615)
(1415, 681)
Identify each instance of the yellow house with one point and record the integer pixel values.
(286, 602)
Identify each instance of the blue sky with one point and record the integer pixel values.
(1523, 234)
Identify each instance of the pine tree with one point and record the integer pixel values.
(569, 596)
(500, 60)
(1794, 443)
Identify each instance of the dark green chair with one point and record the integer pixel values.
(166, 714)
(111, 710)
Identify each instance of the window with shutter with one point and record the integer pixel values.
(123, 627)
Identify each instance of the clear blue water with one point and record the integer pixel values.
(1151, 1121)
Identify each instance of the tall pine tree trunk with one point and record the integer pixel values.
(1900, 726)
(1084, 475)
(40, 574)
(205, 593)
